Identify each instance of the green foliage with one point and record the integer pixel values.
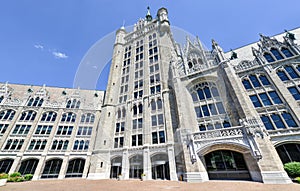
(15, 174)
(297, 180)
(3, 176)
(292, 169)
(28, 177)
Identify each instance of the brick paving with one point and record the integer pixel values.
(136, 185)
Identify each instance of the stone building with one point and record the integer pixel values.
(170, 112)
(47, 131)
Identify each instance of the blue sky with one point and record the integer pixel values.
(43, 42)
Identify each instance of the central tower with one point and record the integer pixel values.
(135, 135)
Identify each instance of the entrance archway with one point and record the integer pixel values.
(226, 164)
(289, 152)
(116, 167)
(160, 167)
(136, 166)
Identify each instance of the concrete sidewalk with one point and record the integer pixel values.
(137, 185)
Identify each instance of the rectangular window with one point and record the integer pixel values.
(278, 121)
(267, 122)
(274, 96)
(133, 140)
(154, 120)
(140, 139)
(295, 92)
(3, 128)
(160, 119)
(205, 110)
(162, 137)
(265, 99)
(255, 101)
(154, 138)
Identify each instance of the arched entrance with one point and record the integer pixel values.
(116, 167)
(52, 168)
(226, 164)
(75, 168)
(136, 166)
(160, 167)
(5, 165)
(28, 166)
(289, 152)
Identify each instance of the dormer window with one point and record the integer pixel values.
(35, 102)
(276, 53)
(286, 52)
(269, 57)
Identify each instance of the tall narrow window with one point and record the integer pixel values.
(286, 52)
(276, 53)
(268, 57)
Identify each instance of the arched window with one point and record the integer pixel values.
(68, 117)
(190, 64)
(49, 116)
(276, 53)
(247, 84)
(69, 104)
(268, 57)
(28, 115)
(289, 152)
(87, 118)
(52, 168)
(75, 168)
(34, 102)
(7, 114)
(264, 80)
(5, 165)
(28, 166)
(208, 103)
(73, 103)
(77, 104)
(286, 52)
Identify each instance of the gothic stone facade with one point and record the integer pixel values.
(47, 131)
(169, 112)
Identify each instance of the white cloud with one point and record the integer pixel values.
(39, 46)
(59, 55)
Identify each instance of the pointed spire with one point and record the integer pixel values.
(148, 16)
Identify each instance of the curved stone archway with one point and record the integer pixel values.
(160, 166)
(136, 166)
(116, 167)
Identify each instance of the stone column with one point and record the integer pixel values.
(172, 163)
(64, 166)
(125, 164)
(39, 169)
(252, 167)
(147, 163)
(16, 163)
(86, 165)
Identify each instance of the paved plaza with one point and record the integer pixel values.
(136, 185)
